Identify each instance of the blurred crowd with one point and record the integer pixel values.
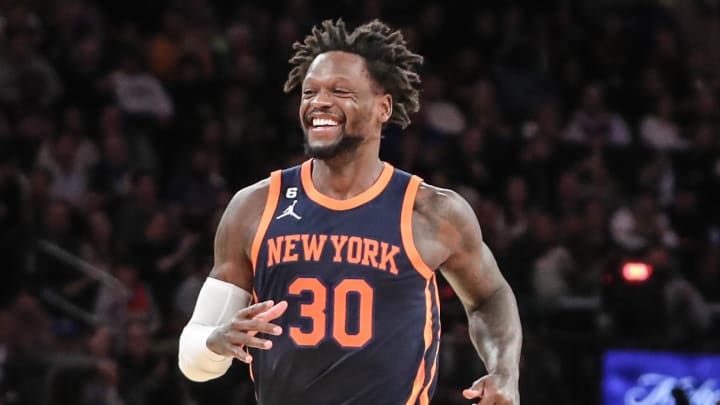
(584, 134)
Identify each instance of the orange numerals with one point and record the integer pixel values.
(317, 308)
(314, 310)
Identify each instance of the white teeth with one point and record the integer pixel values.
(323, 122)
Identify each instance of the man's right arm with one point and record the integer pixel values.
(223, 321)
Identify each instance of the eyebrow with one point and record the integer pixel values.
(335, 79)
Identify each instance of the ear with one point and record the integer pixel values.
(385, 107)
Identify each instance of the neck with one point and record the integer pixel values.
(348, 175)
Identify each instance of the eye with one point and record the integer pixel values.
(341, 91)
(308, 92)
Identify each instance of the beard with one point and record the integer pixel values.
(344, 144)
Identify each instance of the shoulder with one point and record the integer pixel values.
(254, 194)
(442, 204)
(250, 198)
(444, 224)
(243, 212)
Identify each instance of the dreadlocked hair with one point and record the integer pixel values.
(389, 61)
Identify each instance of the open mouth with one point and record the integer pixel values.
(324, 126)
(323, 122)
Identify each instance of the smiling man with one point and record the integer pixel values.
(340, 253)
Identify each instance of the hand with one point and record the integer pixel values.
(494, 389)
(230, 338)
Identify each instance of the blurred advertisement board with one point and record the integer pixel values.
(660, 378)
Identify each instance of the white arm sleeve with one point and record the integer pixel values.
(217, 302)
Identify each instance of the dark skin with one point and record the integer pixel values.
(339, 88)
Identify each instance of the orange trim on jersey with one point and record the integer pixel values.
(419, 383)
(406, 229)
(270, 206)
(425, 395)
(350, 203)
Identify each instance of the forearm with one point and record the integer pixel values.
(217, 303)
(496, 332)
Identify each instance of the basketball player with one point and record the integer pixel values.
(339, 253)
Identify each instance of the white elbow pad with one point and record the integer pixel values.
(217, 302)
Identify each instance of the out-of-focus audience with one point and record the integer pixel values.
(584, 134)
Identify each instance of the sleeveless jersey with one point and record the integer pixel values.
(363, 322)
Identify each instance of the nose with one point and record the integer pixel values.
(321, 99)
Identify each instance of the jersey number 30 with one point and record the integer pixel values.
(316, 311)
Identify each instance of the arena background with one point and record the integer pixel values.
(583, 133)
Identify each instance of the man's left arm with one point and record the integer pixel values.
(489, 302)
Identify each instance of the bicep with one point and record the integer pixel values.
(232, 239)
(471, 268)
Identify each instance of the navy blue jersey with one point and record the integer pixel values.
(362, 325)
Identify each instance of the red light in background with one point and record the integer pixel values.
(635, 272)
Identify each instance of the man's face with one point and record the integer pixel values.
(341, 106)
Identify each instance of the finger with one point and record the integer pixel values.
(243, 339)
(257, 326)
(255, 309)
(471, 393)
(274, 312)
(239, 353)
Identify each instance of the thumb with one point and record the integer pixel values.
(472, 392)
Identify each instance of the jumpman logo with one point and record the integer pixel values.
(290, 211)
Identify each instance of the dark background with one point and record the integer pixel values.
(584, 134)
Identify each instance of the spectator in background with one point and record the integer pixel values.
(659, 130)
(668, 55)
(68, 158)
(27, 79)
(552, 276)
(119, 306)
(568, 194)
(592, 245)
(100, 385)
(112, 173)
(165, 47)
(14, 225)
(516, 207)
(32, 129)
(138, 92)
(597, 182)
(61, 229)
(471, 154)
(687, 219)
(709, 281)
(144, 376)
(593, 124)
(207, 92)
(84, 72)
(26, 362)
(39, 184)
(74, 127)
(641, 225)
(704, 106)
(543, 153)
(140, 205)
(6, 378)
(485, 112)
(162, 253)
(688, 315)
(196, 186)
(523, 254)
(99, 247)
(187, 291)
(643, 99)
